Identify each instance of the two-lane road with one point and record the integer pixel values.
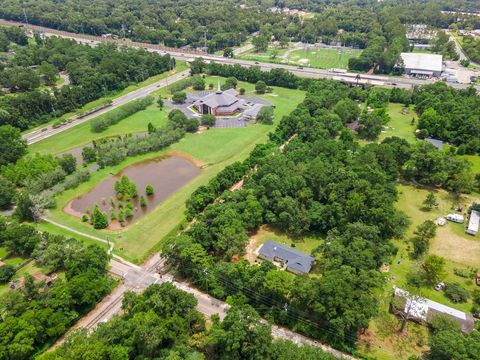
(41, 134)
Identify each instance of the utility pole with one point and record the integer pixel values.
(205, 39)
(25, 13)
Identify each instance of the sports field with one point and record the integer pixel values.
(323, 58)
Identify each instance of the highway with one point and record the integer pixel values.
(189, 54)
(47, 131)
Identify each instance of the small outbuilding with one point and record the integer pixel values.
(455, 218)
(293, 260)
(473, 223)
(437, 143)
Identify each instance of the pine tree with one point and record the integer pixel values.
(99, 219)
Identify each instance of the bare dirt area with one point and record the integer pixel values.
(456, 248)
(251, 250)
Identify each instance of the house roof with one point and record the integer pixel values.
(419, 61)
(437, 143)
(253, 111)
(295, 260)
(219, 99)
(474, 221)
(425, 309)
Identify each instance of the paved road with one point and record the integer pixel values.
(38, 135)
(154, 271)
(187, 54)
(459, 49)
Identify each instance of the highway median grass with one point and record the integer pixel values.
(180, 66)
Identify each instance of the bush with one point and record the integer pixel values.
(7, 193)
(242, 91)
(160, 102)
(102, 122)
(456, 293)
(208, 120)
(85, 218)
(143, 202)
(198, 83)
(149, 190)
(6, 273)
(260, 87)
(265, 115)
(179, 97)
(89, 154)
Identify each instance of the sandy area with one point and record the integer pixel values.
(456, 248)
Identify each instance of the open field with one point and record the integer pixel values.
(216, 148)
(180, 66)
(459, 250)
(400, 124)
(323, 58)
(82, 134)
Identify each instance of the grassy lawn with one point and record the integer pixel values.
(216, 148)
(81, 134)
(180, 66)
(52, 229)
(400, 124)
(305, 244)
(322, 58)
(475, 160)
(3, 252)
(459, 250)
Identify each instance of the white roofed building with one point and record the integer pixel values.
(473, 223)
(418, 64)
(424, 310)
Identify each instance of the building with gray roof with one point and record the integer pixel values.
(437, 143)
(293, 260)
(418, 64)
(220, 103)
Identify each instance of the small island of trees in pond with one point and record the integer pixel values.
(122, 207)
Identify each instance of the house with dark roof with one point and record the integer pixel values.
(437, 143)
(291, 259)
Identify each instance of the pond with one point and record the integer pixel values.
(166, 175)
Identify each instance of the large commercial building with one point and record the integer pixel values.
(417, 64)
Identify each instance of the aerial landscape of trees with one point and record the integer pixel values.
(346, 174)
(35, 315)
(93, 73)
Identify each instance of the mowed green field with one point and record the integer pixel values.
(215, 148)
(400, 124)
(322, 58)
(82, 134)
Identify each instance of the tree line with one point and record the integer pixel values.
(93, 73)
(35, 315)
(162, 323)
